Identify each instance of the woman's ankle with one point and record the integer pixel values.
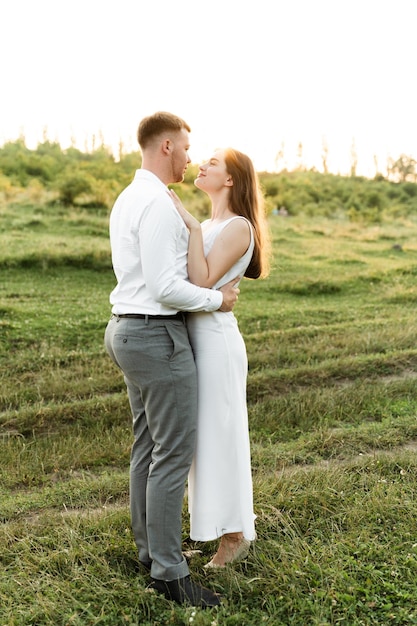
(233, 537)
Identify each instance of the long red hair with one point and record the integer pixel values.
(246, 199)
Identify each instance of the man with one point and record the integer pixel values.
(147, 339)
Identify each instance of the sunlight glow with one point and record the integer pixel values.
(316, 74)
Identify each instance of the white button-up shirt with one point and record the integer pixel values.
(149, 243)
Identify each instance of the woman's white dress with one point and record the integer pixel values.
(220, 480)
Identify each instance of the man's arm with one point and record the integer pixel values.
(159, 232)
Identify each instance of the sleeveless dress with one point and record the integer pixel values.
(220, 498)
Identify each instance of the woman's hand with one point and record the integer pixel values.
(189, 220)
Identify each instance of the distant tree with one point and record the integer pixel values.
(120, 150)
(324, 155)
(377, 173)
(403, 169)
(353, 159)
(14, 157)
(300, 162)
(279, 158)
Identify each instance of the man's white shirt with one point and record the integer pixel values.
(149, 243)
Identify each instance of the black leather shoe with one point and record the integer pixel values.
(185, 591)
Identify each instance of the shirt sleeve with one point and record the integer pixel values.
(160, 237)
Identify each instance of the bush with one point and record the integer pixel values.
(70, 186)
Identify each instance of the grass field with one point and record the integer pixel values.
(331, 339)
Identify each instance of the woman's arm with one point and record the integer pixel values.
(229, 246)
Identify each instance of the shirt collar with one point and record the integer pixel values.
(143, 174)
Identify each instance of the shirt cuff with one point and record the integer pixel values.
(214, 300)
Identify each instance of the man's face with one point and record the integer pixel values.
(179, 156)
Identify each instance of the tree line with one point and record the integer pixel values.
(92, 179)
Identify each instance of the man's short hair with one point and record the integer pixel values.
(158, 123)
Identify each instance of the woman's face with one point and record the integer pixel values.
(213, 174)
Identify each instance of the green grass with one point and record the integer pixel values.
(331, 340)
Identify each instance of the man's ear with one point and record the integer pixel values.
(167, 146)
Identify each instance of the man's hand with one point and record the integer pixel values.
(230, 295)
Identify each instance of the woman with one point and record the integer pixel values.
(232, 243)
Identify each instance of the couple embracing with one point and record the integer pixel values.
(176, 340)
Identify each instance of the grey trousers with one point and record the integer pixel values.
(156, 359)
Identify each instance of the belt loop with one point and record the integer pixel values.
(146, 320)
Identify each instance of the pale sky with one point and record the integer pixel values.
(261, 76)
